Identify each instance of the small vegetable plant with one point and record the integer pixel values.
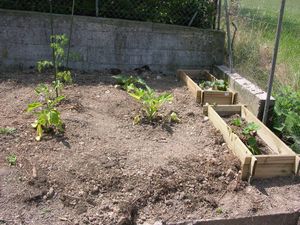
(250, 132)
(220, 85)
(58, 44)
(12, 159)
(126, 81)
(247, 132)
(47, 116)
(150, 100)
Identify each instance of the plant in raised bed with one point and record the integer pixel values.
(247, 133)
(150, 100)
(126, 81)
(48, 117)
(220, 85)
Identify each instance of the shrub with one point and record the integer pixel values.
(287, 116)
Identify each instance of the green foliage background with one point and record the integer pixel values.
(178, 12)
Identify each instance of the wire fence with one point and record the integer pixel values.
(197, 13)
(253, 30)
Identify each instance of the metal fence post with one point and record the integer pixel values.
(219, 13)
(228, 35)
(275, 53)
(97, 7)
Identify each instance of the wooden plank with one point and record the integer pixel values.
(274, 170)
(252, 168)
(267, 135)
(224, 110)
(192, 86)
(297, 166)
(245, 168)
(217, 97)
(275, 159)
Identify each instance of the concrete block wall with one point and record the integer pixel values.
(108, 43)
(249, 94)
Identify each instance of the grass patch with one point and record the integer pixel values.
(257, 23)
(7, 130)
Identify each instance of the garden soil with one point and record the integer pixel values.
(105, 170)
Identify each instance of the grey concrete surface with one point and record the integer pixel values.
(108, 43)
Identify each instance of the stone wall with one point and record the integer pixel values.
(108, 43)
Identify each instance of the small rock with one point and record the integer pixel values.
(205, 119)
(158, 77)
(117, 86)
(50, 193)
(81, 143)
(95, 190)
(107, 91)
(160, 222)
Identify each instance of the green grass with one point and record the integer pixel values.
(7, 130)
(255, 41)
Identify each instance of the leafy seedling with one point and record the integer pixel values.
(237, 122)
(206, 84)
(48, 117)
(251, 129)
(7, 130)
(219, 210)
(220, 85)
(12, 159)
(174, 118)
(150, 100)
(250, 132)
(126, 82)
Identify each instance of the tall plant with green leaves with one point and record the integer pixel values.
(47, 115)
(287, 116)
(58, 44)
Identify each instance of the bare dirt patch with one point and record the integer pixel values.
(105, 170)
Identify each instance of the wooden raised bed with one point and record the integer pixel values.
(205, 96)
(283, 162)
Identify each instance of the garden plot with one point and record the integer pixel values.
(206, 88)
(262, 153)
(105, 170)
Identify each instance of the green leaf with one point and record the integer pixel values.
(34, 106)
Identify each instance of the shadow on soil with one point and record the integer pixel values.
(263, 185)
(31, 78)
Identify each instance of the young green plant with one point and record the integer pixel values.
(47, 115)
(11, 159)
(250, 132)
(126, 81)
(58, 45)
(150, 100)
